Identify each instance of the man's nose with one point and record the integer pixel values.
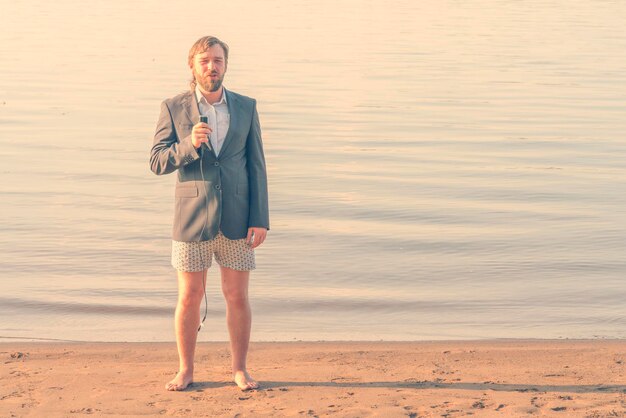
(209, 65)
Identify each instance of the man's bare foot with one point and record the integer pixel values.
(244, 380)
(180, 382)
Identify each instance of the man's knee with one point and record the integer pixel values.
(236, 297)
(235, 287)
(190, 290)
(190, 300)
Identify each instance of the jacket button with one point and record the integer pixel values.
(216, 164)
(217, 186)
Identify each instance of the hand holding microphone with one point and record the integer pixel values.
(200, 133)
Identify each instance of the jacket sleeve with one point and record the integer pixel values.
(257, 175)
(168, 153)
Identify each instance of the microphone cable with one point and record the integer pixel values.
(203, 119)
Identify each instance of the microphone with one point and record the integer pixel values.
(205, 119)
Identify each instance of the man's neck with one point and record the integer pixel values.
(212, 97)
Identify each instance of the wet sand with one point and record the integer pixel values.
(504, 378)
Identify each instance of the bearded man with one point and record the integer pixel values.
(221, 201)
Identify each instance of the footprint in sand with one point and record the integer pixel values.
(478, 404)
(84, 411)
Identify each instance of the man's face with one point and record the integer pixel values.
(209, 68)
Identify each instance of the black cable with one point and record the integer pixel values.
(203, 119)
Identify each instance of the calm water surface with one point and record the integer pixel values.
(438, 169)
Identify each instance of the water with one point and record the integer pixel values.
(438, 170)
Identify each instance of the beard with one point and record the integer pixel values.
(207, 83)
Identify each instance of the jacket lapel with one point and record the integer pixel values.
(191, 108)
(233, 110)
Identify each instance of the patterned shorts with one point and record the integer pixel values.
(197, 256)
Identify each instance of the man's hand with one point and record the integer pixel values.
(259, 236)
(200, 134)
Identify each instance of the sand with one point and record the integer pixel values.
(503, 378)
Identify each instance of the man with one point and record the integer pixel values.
(221, 201)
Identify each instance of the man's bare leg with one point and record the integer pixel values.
(187, 321)
(239, 320)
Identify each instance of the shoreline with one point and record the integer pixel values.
(29, 340)
(495, 377)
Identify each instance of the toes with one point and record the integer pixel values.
(172, 386)
(245, 382)
(252, 385)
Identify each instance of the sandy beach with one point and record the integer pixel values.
(505, 378)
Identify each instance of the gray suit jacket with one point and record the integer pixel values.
(235, 183)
